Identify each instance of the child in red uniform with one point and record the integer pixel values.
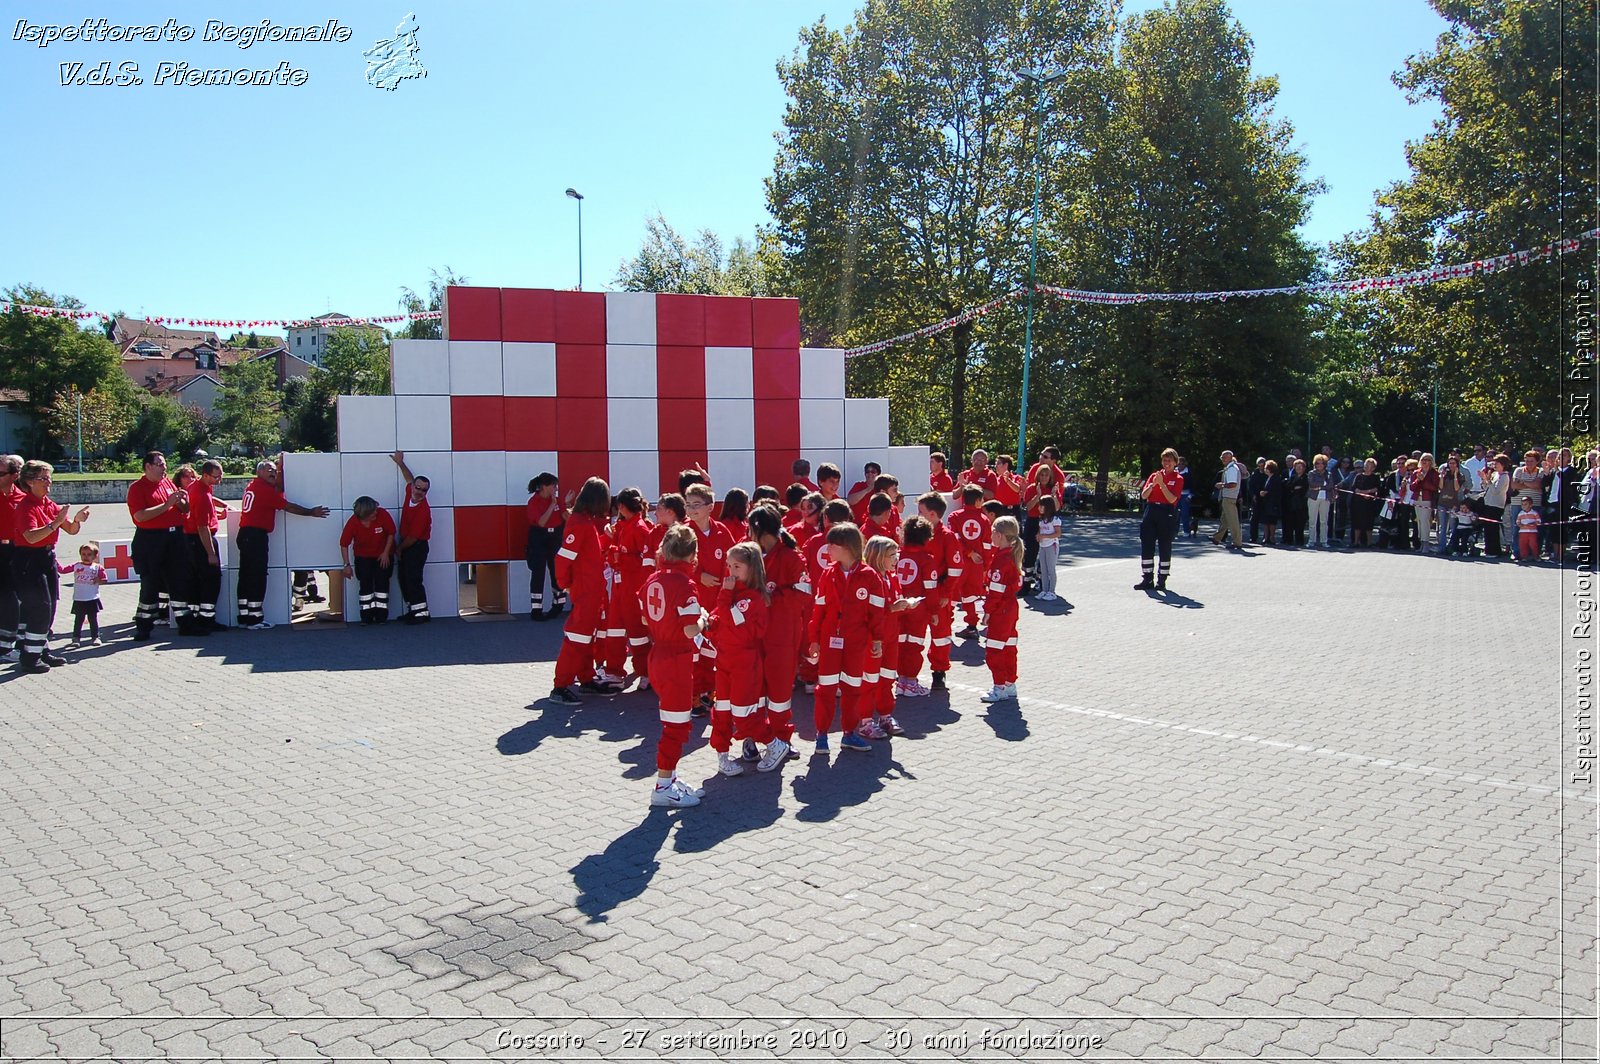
(369, 533)
(918, 575)
(972, 526)
(800, 473)
(883, 557)
(671, 608)
(939, 473)
(735, 505)
(1004, 578)
(789, 586)
(740, 625)
(630, 538)
(828, 478)
(846, 636)
(793, 496)
(712, 540)
(580, 570)
(882, 519)
(946, 550)
(669, 511)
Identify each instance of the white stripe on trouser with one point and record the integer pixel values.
(420, 610)
(577, 637)
(32, 642)
(616, 633)
(639, 641)
(778, 707)
(996, 587)
(999, 644)
(207, 609)
(1147, 564)
(380, 598)
(724, 706)
(887, 676)
(366, 600)
(674, 716)
(850, 681)
(743, 711)
(828, 681)
(942, 641)
(8, 640)
(708, 651)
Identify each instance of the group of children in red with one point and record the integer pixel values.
(726, 610)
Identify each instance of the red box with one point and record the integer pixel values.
(516, 536)
(775, 322)
(581, 425)
(580, 370)
(471, 313)
(675, 462)
(528, 315)
(728, 321)
(774, 467)
(575, 467)
(581, 317)
(477, 423)
(778, 426)
(681, 373)
(680, 320)
(681, 424)
(530, 423)
(481, 534)
(776, 373)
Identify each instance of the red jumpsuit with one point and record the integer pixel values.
(847, 619)
(918, 575)
(739, 624)
(789, 585)
(580, 570)
(972, 527)
(880, 697)
(1003, 580)
(813, 547)
(631, 537)
(711, 558)
(669, 603)
(946, 549)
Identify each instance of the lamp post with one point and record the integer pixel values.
(575, 194)
(1040, 79)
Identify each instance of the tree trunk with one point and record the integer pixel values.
(1103, 474)
(962, 336)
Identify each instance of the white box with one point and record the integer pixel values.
(371, 474)
(630, 317)
(528, 368)
(475, 368)
(523, 466)
(857, 457)
(366, 423)
(419, 367)
(821, 373)
(314, 544)
(352, 595)
(436, 466)
(312, 479)
(822, 424)
(632, 424)
(631, 370)
(866, 423)
(910, 464)
(480, 479)
(421, 423)
(277, 600)
(730, 373)
(732, 469)
(730, 425)
(637, 469)
(821, 455)
(518, 597)
(441, 582)
(275, 541)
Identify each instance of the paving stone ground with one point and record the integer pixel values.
(1306, 805)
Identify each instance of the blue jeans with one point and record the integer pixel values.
(1183, 514)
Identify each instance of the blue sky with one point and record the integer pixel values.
(280, 201)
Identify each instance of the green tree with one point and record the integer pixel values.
(249, 405)
(310, 416)
(667, 262)
(412, 303)
(356, 362)
(45, 357)
(160, 423)
(899, 192)
(1509, 165)
(98, 418)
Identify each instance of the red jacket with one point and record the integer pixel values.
(632, 539)
(1003, 579)
(711, 557)
(366, 541)
(849, 604)
(669, 603)
(789, 584)
(580, 562)
(739, 623)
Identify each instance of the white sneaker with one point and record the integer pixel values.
(728, 765)
(96, 643)
(609, 679)
(777, 750)
(997, 693)
(673, 796)
(698, 792)
(259, 626)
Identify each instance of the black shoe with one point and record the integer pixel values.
(314, 597)
(141, 635)
(35, 666)
(969, 632)
(1161, 584)
(596, 688)
(52, 659)
(563, 696)
(1146, 584)
(537, 615)
(701, 708)
(938, 682)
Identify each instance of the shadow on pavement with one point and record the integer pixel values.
(1006, 719)
(626, 867)
(827, 787)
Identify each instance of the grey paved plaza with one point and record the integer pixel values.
(1306, 805)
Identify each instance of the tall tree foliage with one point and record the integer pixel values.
(99, 418)
(413, 303)
(46, 357)
(899, 190)
(1509, 165)
(249, 405)
(668, 262)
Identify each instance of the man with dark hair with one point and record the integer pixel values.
(159, 552)
(800, 473)
(258, 515)
(199, 616)
(416, 527)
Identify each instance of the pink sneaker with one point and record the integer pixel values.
(892, 726)
(868, 729)
(911, 688)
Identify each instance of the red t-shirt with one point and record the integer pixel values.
(369, 541)
(35, 512)
(1007, 489)
(416, 519)
(260, 507)
(941, 481)
(538, 507)
(142, 495)
(10, 501)
(983, 478)
(1173, 481)
(805, 482)
(202, 508)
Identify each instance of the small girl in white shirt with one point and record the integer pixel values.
(1049, 547)
(87, 576)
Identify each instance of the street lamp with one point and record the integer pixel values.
(1040, 79)
(575, 194)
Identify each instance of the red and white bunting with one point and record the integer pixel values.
(221, 323)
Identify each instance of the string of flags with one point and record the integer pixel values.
(217, 323)
(1427, 275)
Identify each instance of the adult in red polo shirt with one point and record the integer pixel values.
(978, 474)
(159, 552)
(39, 521)
(939, 478)
(10, 499)
(416, 528)
(258, 516)
(197, 611)
(860, 492)
(1008, 486)
(1160, 521)
(370, 533)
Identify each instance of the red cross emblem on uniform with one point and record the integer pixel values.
(120, 563)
